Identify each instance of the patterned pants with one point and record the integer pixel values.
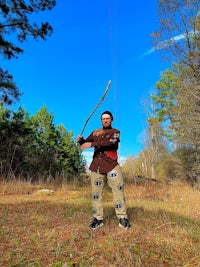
(115, 182)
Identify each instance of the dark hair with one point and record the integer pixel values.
(109, 113)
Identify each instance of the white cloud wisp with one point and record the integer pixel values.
(167, 43)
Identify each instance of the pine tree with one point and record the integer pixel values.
(16, 23)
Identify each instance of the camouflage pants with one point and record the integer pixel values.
(115, 181)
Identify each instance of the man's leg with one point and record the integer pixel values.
(115, 181)
(97, 183)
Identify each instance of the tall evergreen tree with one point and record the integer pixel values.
(165, 104)
(54, 149)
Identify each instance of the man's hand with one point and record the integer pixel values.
(85, 145)
(79, 138)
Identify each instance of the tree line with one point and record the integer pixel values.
(34, 148)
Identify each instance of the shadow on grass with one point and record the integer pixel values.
(48, 212)
(154, 219)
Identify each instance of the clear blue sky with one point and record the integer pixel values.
(93, 42)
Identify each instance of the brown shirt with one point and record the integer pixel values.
(105, 142)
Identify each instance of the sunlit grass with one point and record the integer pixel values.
(52, 230)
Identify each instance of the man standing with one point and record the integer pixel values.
(105, 167)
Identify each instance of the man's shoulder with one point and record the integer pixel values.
(115, 130)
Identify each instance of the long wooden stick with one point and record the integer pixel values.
(98, 104)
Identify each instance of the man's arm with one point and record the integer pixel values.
(84, 144)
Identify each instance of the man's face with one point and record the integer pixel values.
(106, 120)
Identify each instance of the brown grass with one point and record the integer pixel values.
(52, 230)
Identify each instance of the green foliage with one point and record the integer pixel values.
(15, 135)
(16, 22)
(165, 102)
(34, 147)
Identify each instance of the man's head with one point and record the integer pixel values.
(106, 118)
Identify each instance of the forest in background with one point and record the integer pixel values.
(34, 148)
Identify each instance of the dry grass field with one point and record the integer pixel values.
(52, 229)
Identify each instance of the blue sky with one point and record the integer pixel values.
(93, 42)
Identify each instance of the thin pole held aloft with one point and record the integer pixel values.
(98, 104)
